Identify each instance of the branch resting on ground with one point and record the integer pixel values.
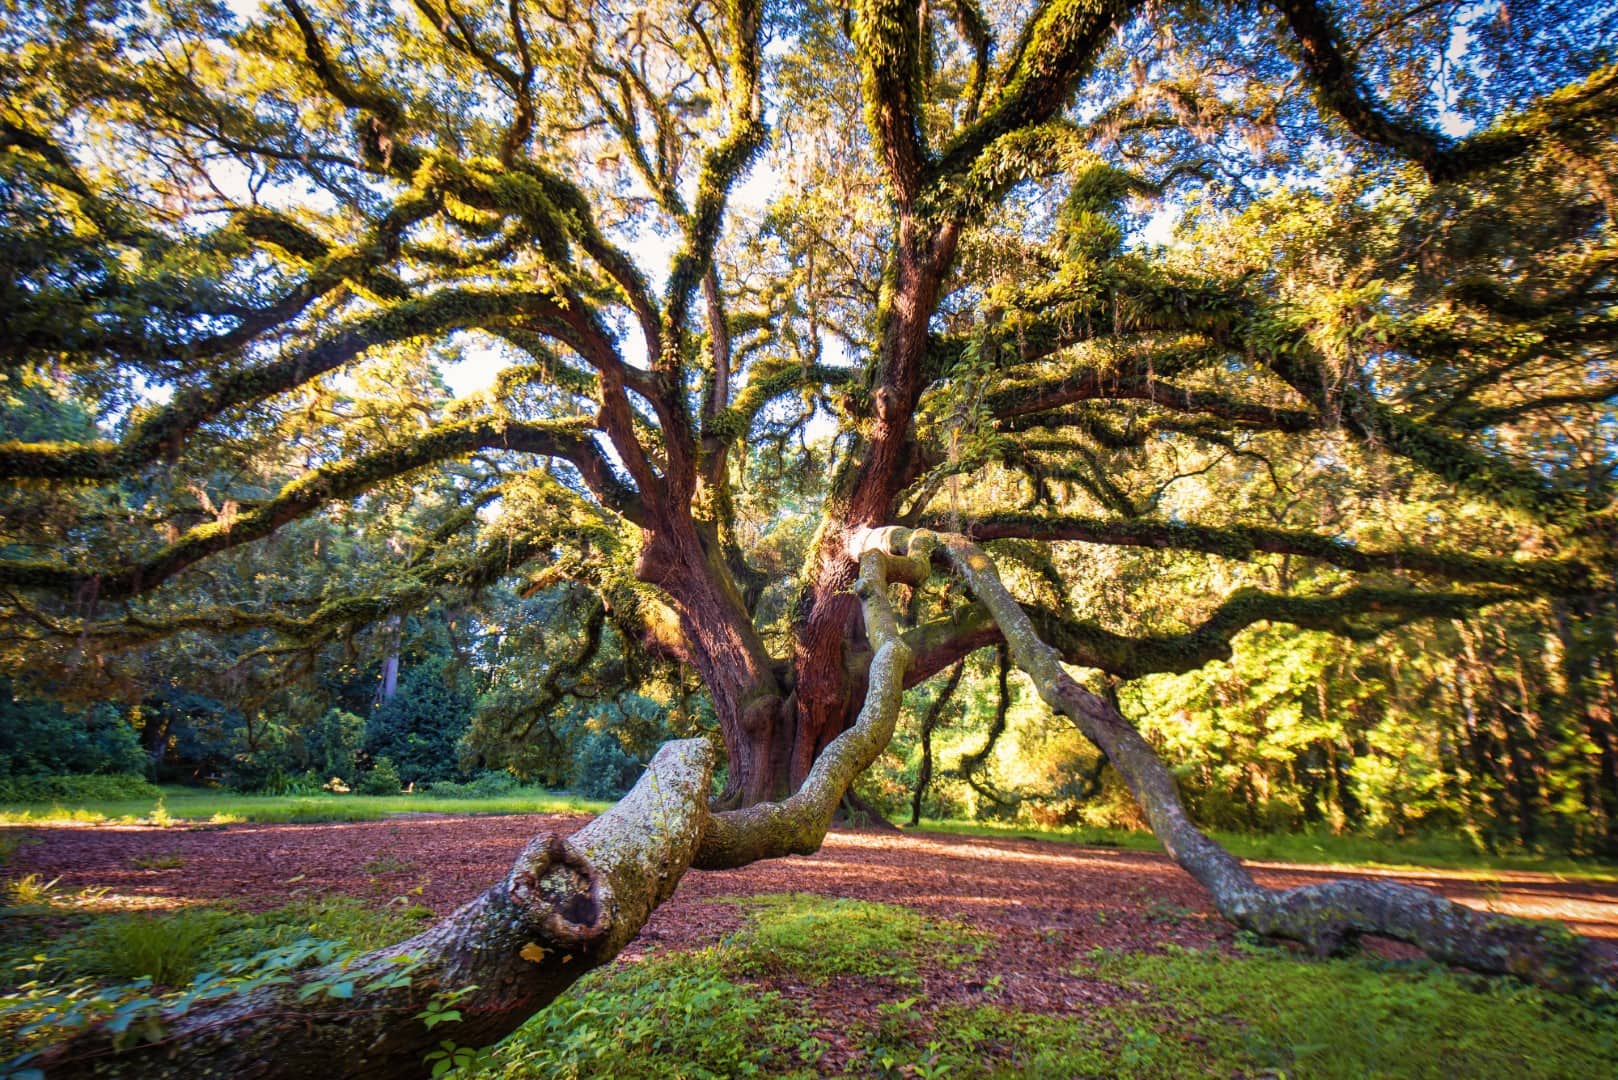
(1328, 917)
(568, 906)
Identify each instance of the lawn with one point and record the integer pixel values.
(1318, 848)
(220, 806)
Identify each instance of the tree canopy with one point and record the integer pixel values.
(1318, 297)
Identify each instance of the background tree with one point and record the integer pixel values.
(224, 233)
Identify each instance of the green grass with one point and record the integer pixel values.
(1425, 852)
(696, 1016)
(196, 804)
(675, 1017)
(61, 965)
(816, 937)
(759, 1003)
(1269, 1012)
(1261, 1013)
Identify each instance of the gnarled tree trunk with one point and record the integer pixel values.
(565, 908)
(568, 906)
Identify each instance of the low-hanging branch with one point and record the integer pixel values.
(165, 429)
(1359, 612)
(567, 906)
(1328, 917)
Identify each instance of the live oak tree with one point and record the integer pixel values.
(217, 224)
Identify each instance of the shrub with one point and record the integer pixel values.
(75, 789)
(330, 744)
(602, 768)
(42, 738)
(167, 950)
(420, 727)
(487, 785)
(383, 779)
(490, 785)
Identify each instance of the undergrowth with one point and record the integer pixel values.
(748, 1007)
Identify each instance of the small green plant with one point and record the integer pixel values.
(383, 779)
(384, 864)
(165, 949)
(31, 890)
(157, 862)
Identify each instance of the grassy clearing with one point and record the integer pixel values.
(1415, 853)
(814, 938)
(196, 804)
(1264, 1013)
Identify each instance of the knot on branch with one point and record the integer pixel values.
(549, 877)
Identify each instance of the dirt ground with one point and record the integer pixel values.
(1045, 902)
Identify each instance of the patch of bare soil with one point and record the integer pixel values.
(1045, 903)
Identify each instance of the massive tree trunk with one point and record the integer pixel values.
(725, 647)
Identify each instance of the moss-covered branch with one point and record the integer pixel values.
(163, 432)
(1548, 576)
(1327, 917)
(1342, 90)
(338, 480)
(1060, 44)
(798, 824)
(565, 908)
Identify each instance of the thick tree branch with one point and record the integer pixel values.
(339, 480)
(1327, 917)
(1341, 90)
(1246, 541)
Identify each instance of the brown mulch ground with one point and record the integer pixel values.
(1045, 903)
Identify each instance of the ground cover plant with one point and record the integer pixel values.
(1182, 416)
(1251, 1011)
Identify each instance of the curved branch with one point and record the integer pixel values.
(339, 480)
(798, 824)
(165, 430)
(1327, 917)
(565, 908)
(1342, 91)
(1060, 44)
